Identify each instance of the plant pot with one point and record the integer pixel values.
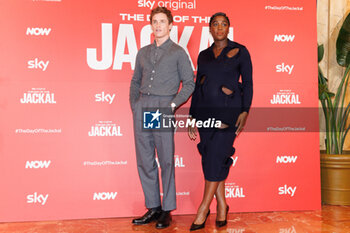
(335, 179)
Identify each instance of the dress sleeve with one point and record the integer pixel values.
(247, 79)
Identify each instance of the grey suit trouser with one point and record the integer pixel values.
(146, 143)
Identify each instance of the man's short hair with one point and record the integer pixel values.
(164, 10)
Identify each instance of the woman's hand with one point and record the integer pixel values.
(192, 134)
(240, 123)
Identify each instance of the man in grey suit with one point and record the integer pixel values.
(159, 69)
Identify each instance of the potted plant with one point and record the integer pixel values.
(335, 163)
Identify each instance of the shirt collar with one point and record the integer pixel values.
(165, 45)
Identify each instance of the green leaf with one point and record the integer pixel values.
(333, 104)
(343, 43)
(322, 96)
(320, 52)
(322, 91)
(330, 94)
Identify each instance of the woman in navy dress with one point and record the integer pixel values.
(219, 94)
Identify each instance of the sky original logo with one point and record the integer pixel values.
(38, 31)
(151, 120)
(286, 159)
(105, 129)
(38, 96)
(284, 68)
(104, 196)
(285, 190)
(36, 64)
(172, 4)
(284, 38)
(234, 191)
(38, 164)
(146, 3)
(285, 97)
(37, 198)
(108, 98)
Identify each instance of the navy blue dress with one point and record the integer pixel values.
(209, 101)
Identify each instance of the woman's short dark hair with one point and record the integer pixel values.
(219, 14)
(162, 10)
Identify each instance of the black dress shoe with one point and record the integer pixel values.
(164, 220)
(199, 226)
(222, 223)
(150, 216)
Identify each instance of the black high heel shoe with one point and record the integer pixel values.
(199, 226)
(222, 223)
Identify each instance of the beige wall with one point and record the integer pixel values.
(330, 16)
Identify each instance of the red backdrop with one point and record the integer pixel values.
(66, 67)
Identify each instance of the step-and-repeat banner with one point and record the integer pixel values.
(66, 132)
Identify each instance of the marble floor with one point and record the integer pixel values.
(328, 219)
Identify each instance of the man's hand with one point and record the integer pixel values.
(240, 123)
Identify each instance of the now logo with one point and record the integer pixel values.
(104, 196)
(286, 159)
(38, 31)
(38, 164)
(284, 38)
